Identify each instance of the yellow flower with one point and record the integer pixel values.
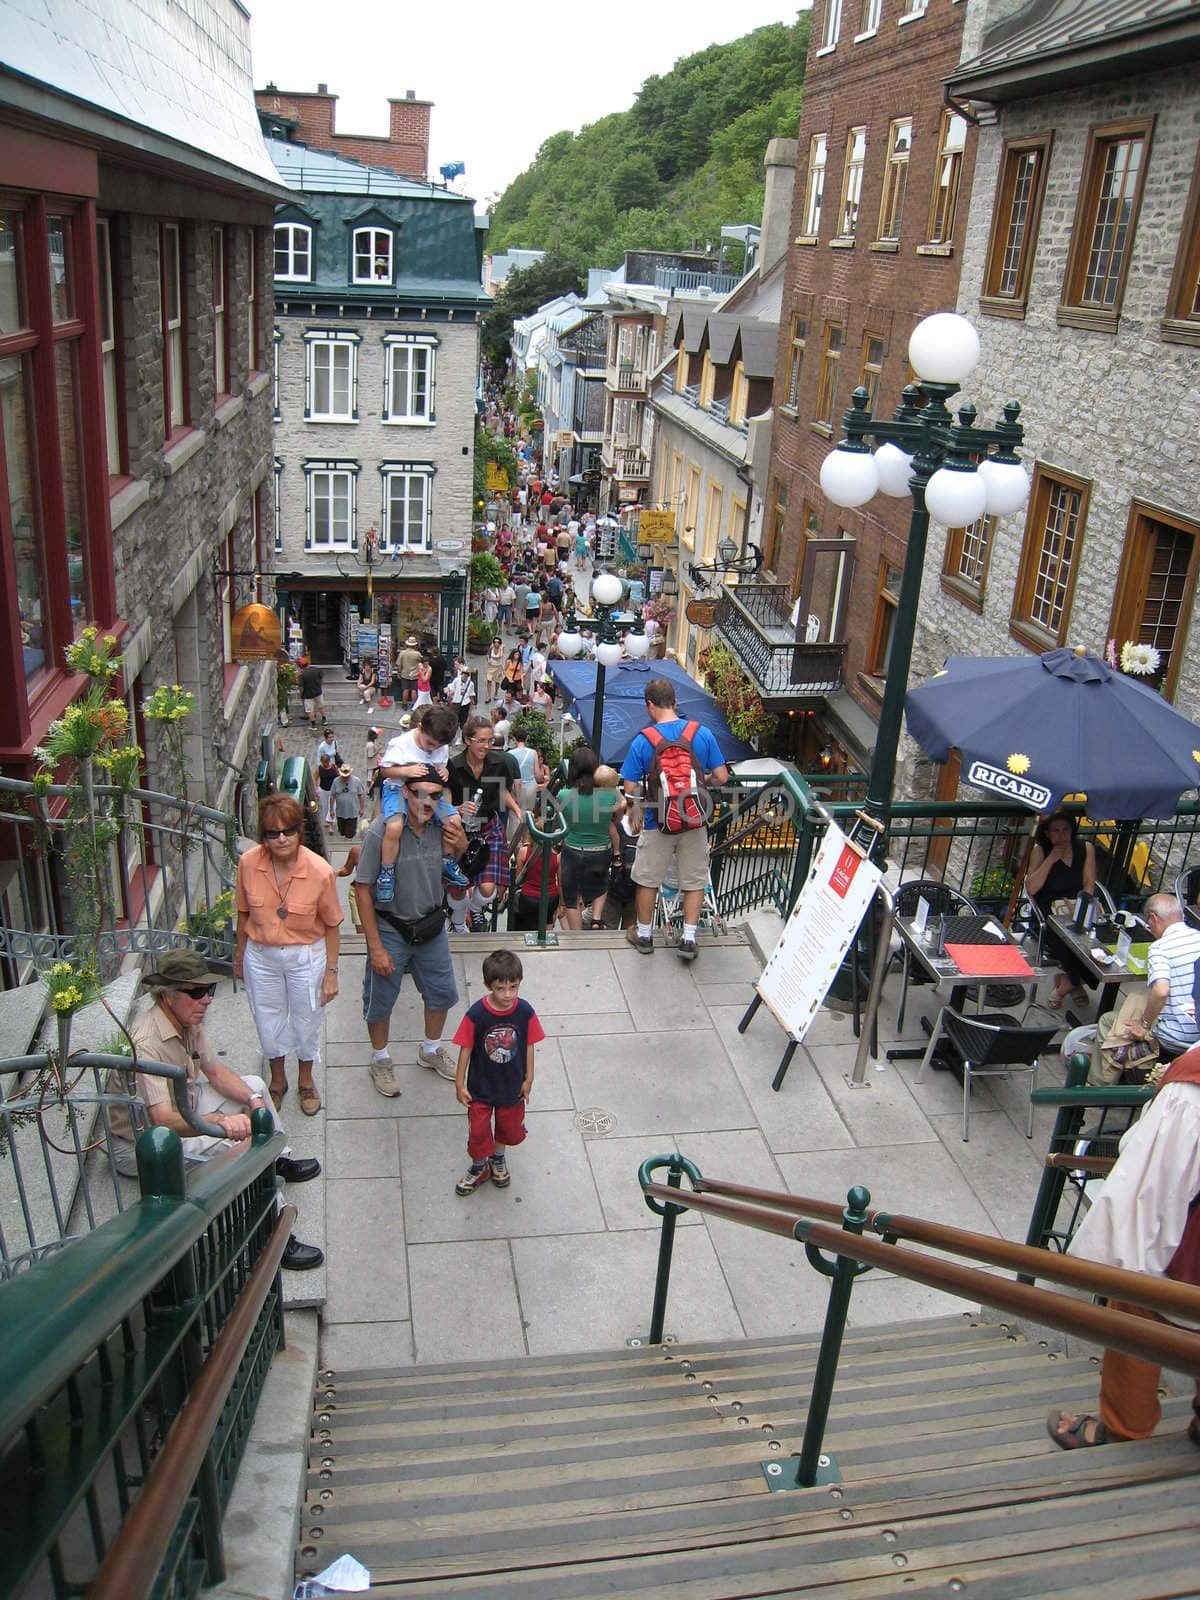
(1018, 763)
(67, 999)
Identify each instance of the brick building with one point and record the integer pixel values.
(378, 297)
(135, 320)
(1081, 270)
(878, 224)
(308, 119)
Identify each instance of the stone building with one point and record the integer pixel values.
(1081, 271)
(136, 201)
(877, 230)
(377, 301)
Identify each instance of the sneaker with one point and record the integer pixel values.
(385, 885)
(384, 1078)
(473, 1178)
(480, 922)
(686, 949)
(453, 873)
(499, 1173)
(438, 1061)
(644, 947)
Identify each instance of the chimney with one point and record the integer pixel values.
(777, 203)
(322, 88)
(410, 94)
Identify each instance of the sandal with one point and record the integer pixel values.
(277, 1095)
(310, 1099)
(1075, 1437)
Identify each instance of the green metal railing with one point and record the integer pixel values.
(836, 1244)
(129, 1372)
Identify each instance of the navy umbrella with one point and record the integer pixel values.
(625, 713)
(1036, 728)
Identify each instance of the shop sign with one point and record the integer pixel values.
(703, 613)
(656, 527)
(497, 479)
(256, 634)
(565, 439)
(450, 544)
(628, 492)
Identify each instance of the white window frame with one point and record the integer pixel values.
(328, 476)
(277, 512)
(292, 229)
(852, 183)
(895, 180)
(916, 8)
(831, 27)
(276, 341)
(872, 11)
(252, 344)
(396, 344)
(108, 346)
(220, 315)
(372, 254)
(332, 340)
(814, 192)
(409, 473)
(174, 396)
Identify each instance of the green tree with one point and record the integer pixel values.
(522, 292)
(634, 182)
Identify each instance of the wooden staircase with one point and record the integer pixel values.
(640, 1473)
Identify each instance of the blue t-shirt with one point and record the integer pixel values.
(499, 1042)
(636, 765)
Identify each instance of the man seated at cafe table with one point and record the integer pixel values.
(1169, 1006)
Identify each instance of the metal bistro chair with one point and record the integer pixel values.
(1187, 887)
(991, 1045)
(942, 901)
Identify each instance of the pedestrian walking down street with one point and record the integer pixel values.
(312, 686)
(496, 1041)
(348, 798)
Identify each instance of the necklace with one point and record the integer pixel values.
(282, 910)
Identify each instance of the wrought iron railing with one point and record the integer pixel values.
(768, 604)
(780, 668)
(130, 1370)
(760, 847)
(684, 279)
(166, 863)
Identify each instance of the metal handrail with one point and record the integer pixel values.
(1172, 1346)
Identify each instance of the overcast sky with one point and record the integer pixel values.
(498, 90)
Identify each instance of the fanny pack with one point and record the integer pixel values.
(420, 930)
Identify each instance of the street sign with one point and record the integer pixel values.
(450, 544)
(497, 479)
(656, 527)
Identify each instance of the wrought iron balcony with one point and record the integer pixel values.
(752, 619)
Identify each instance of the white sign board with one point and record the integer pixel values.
(817, 935)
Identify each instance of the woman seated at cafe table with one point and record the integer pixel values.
(1061, 868)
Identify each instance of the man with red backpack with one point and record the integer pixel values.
(668, 768)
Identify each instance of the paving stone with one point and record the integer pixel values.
(920, 1180)
(558, 981)
(363, 1148)
(1000, 1164)
(802, 1115)
(879, 1111)
(659, 1084)
(464, 1301)
(348, 1346)
(592, 1292)
(615, 1164)
(602, 1022)
(367, 1270)
(658, 999)
(551, 1190)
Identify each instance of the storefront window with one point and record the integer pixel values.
(62, 289)
(70, 443)
(12, 285)
(28, 544)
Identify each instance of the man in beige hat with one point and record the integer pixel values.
(407, 662)
(348, 801)
(172, 1030)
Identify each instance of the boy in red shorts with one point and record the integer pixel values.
(496, 1041)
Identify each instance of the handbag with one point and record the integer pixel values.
(475, 857)
(417, 930)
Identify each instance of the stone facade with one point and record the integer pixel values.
(1119, 410)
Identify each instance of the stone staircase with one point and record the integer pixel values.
(640, 1472)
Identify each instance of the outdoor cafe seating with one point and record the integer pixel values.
(990, 1045)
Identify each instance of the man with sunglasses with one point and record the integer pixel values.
(172, 1030)
(404, 933)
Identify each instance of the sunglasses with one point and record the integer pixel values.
(200, 991)
(432, 795)
(279, 833)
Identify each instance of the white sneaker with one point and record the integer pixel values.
(384, 1078)
(438, 1061)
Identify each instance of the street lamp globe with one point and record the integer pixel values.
(606, 588)
(608, 653)
(944, 348)
(570, 643)
(848, 476)
(1006, 483)
(955, 497)
(894, 469)
(637, 646)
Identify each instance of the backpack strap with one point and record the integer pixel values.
(688, 736)
(653, 737)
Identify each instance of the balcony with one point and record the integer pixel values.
(630, 463)
(753, 620)
(677, 280)
(626, 377)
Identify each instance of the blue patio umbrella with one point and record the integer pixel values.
(625, 713)
(1036, 728)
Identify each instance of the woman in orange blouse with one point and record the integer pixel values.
(287, 944)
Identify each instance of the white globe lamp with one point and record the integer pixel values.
(954, 497)
(894, 469)
(1006, 484)
(570, 644)
(944, 348)
(606, 589)
(608, 653)
(637, 646)
(848, 477)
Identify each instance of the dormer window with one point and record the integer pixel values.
(372, 255)
(293, 252)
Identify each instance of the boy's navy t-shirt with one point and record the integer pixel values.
(499, 1042)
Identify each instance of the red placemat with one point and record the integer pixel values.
(989, 961)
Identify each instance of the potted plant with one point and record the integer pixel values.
(480, 634)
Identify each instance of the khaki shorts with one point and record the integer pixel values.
(678, 858)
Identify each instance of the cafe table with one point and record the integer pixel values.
(1098, 962)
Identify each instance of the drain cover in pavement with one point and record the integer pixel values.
(595, 1122)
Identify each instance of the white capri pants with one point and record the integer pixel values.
(283, 985)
